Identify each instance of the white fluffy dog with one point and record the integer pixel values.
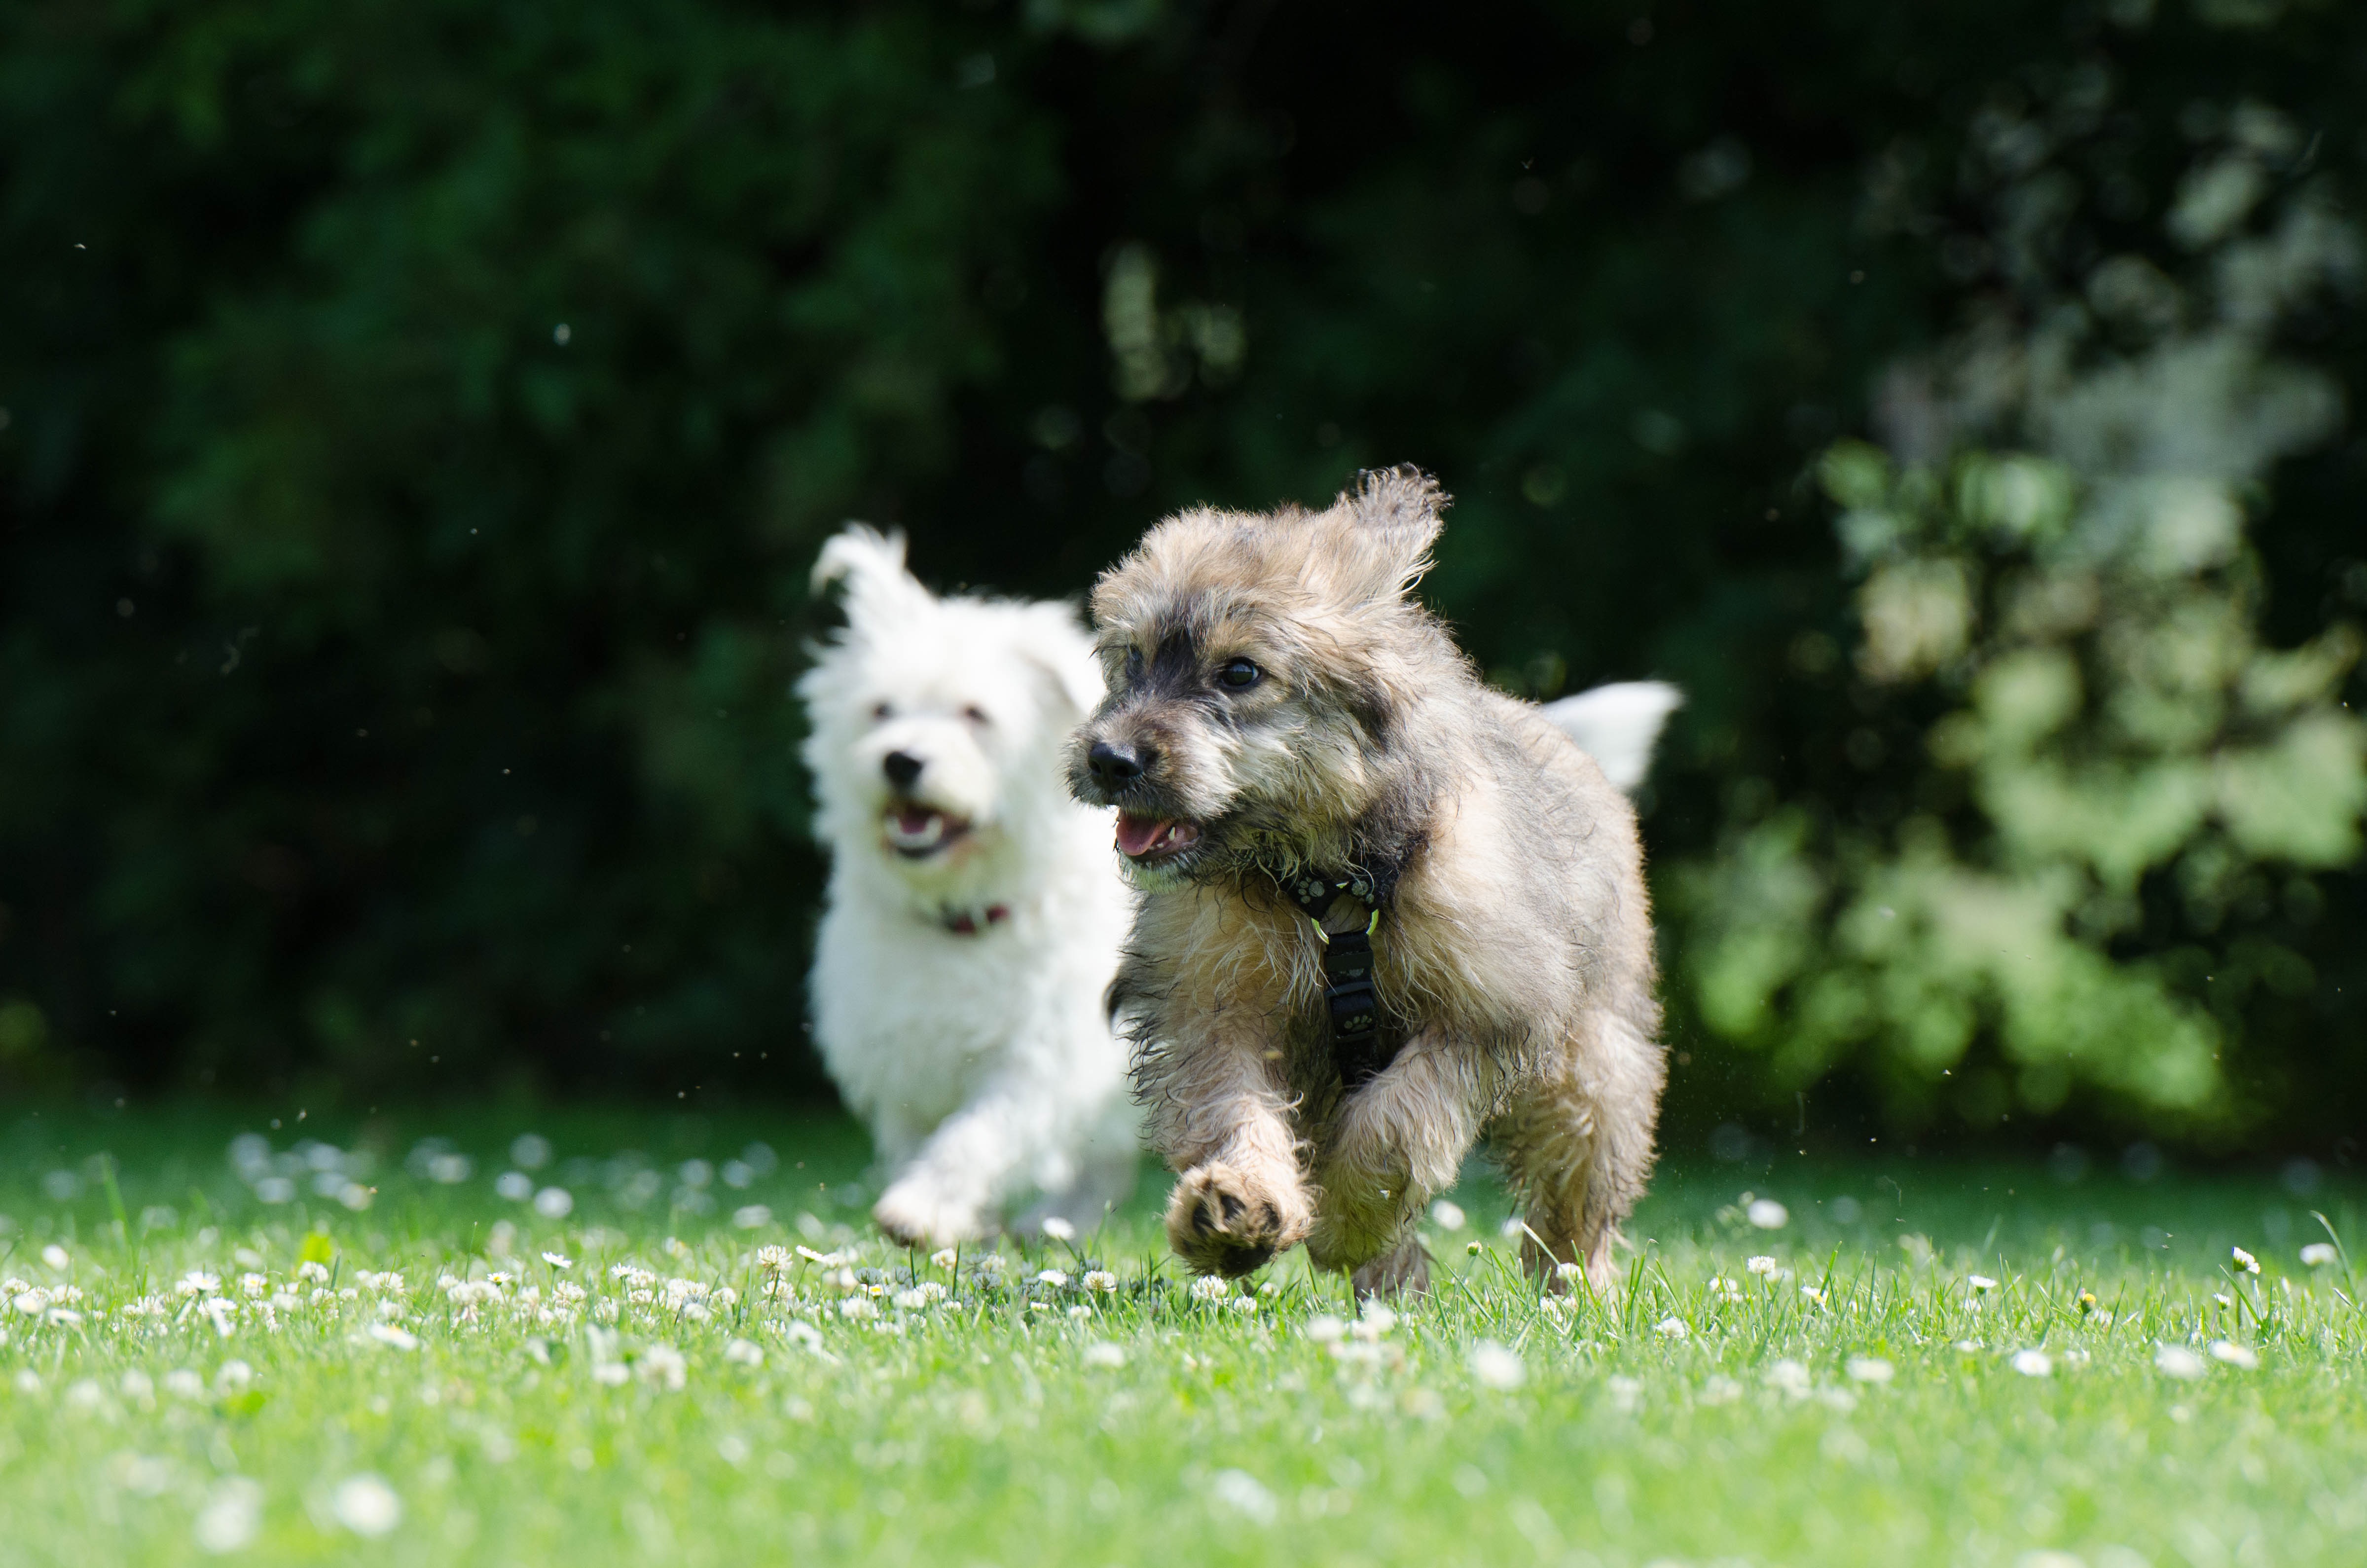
(975, 910)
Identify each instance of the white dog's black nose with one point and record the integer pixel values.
(901, 768)
(1114, 768)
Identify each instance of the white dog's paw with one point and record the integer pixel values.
(917, 1214)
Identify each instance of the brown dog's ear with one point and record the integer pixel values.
(1394, 515)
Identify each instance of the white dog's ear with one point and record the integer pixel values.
(1394, 515)
(1057, 644)
(871, 566)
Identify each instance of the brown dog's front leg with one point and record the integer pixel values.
(1401, 1138)
(1242, 1197)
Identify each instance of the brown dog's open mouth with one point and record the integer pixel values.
(1154, 838)
(918, 831)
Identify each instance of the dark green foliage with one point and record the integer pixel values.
(450, 701)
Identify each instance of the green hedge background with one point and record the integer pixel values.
(419, 420)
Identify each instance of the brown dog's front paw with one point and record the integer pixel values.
(1225, 1220)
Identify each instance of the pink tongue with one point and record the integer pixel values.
(1136, 835)
(913, 821)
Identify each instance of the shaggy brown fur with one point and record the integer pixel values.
(1277, 701)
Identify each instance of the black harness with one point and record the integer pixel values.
(1352, 1005)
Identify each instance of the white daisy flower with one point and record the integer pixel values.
(2318, 1255)
(1494, 1367)
(2245, 1260)
(366, 1506)
(1101, 1280)
(2034, 1363)
(663, 1367)
(1869, 1369)
(232, 1516)
(1211, 1287)
(2238, 1355)
(1763, 1263)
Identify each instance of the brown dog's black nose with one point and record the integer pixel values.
(901, 768)
(1114, 768)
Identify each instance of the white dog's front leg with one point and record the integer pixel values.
(953, 1188)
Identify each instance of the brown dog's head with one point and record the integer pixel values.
(1261, 669)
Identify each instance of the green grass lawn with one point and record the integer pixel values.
(1939, 1363)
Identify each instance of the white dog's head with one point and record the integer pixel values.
(937, 725)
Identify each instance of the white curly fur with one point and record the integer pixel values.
(984, 1062)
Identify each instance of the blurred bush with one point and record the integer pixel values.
(418, 421)
(2118, 795)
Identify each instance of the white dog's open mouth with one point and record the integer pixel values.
(918, 831)
(1143, 839)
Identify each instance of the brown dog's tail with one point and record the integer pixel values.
(1617, 725)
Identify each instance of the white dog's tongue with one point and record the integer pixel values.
(914, 828)
(1136, 835)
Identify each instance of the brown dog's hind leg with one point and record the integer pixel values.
(1555, 1150)
(1579, 1144)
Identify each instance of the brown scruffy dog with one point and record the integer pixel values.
(1294, 745)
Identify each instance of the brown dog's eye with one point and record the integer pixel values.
(1238, 675)
(975, 714)
(880, 710)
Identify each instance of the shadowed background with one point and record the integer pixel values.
(419, 421)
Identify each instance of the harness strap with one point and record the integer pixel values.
(1351, 1002)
